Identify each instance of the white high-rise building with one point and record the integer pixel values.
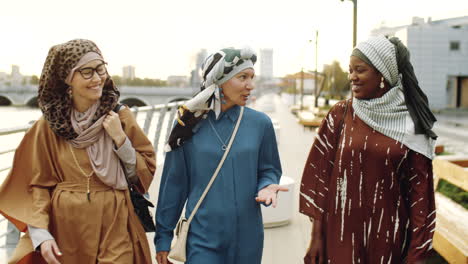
(266, 64)
(439, 54)
(128, 72)
(195, 75)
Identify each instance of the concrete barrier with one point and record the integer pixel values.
(282, 214)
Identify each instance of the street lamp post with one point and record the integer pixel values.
(354, 21)
(315, 74)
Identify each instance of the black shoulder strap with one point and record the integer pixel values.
(117, 107)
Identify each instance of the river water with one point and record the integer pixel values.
(11, 116)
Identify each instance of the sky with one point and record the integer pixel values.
(161, 37)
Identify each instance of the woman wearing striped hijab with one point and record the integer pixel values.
(367, 185)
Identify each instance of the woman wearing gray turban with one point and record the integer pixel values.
(227, 228)
(367, 184)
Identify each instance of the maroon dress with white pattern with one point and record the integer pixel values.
(374, 195)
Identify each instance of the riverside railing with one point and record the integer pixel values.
(156, 122)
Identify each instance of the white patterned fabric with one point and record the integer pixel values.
(389, 114)
(217, 69)
(382, 54)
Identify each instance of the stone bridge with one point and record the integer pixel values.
(132, 96)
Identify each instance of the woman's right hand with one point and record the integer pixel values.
(315, 252)
(49, 251)
(161, 257)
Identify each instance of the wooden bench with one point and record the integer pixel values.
(451, 234)
(312, 118)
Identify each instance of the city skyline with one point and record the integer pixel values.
(161, 38)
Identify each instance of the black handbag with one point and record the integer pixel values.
(140, 205)
(139, 201)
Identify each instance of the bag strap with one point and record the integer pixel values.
(218, 168)
(117, 108)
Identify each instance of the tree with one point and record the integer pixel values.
(336, 82)
(117, 80)
(34, 80)
(138, 82)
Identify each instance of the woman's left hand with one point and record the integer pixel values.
(113, 127)
(268, 194)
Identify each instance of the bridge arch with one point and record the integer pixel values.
(5, 100)
(32, 102)
(132, 101)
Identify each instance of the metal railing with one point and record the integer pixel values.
(164, 115)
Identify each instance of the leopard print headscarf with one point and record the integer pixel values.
(53, 99)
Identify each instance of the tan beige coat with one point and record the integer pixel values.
(46, 189)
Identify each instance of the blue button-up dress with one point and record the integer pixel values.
(227, 228)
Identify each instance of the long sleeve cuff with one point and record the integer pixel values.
(127, 155)
(264, 182)
(38, 235)
(163, 244)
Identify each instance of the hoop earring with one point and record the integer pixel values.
(382, 84)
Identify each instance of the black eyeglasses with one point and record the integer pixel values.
(88, 72)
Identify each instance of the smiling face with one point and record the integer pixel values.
(237, 89)
(86, 92)
(365, 80)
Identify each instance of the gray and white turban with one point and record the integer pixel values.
(217, 69)
(382, 55)
(402, 113)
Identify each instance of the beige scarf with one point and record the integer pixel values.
(99, 147)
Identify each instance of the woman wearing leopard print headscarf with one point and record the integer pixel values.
(67, 188)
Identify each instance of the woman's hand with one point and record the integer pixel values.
(268, 194)
(161, 257)
(49, 251)
(315, 252)
(113, 127)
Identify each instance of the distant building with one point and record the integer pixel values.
(195, 74)
(266, 64)
(439, 53)
(3, 77)
(15, 77)
(299, 80)
(128, 72)
(177, 81)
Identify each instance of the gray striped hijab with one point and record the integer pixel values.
(389, 114)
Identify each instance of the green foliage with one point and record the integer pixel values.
(458, 195)
(435, 258)
(326, 107)
(138, 82)
(34, 80)
(290, 90)
(336, 82)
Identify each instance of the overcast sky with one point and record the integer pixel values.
(160, 38)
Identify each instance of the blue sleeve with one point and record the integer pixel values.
(269, 165)
(173, 192)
